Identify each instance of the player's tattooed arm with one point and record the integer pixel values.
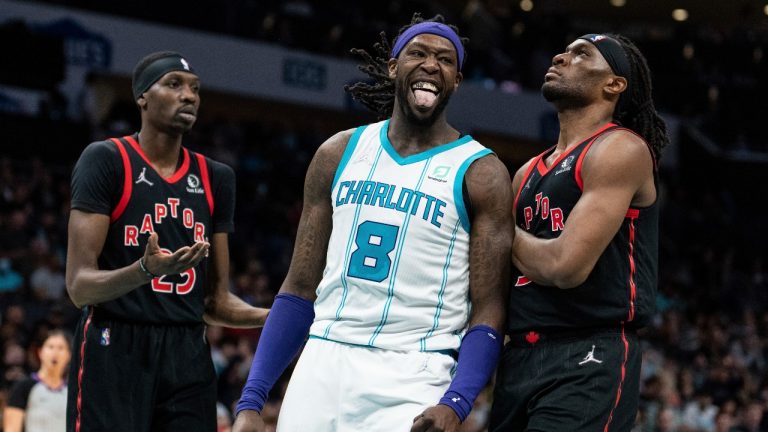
(490, 244)
(315, 225)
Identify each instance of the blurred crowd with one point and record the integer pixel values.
(704, 71)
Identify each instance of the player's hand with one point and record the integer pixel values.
(248, 421)
(161, 263)
(439, 418)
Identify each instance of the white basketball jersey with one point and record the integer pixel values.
(397, 269)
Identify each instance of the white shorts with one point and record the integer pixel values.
(338, 387)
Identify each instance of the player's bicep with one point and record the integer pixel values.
(315, 225)
(612, 175)
(490, 241)
(85, 240)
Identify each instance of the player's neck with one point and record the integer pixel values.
(578, 124)
(409, 138)
(162, 149)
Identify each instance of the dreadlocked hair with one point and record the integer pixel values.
(639, 113)
(379, 97)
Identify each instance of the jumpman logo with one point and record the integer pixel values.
(590, 357)
(143, 177)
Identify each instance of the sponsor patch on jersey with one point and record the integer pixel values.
(105, 337)
(193, 184)
(565, 165)
(440, 173)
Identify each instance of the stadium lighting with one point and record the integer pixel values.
(765, 9)
(618, 3)
(680, 14)
(526, 5)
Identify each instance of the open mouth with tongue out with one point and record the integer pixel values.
(425, 94)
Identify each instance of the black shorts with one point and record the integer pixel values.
(577, 382)
(138, 377)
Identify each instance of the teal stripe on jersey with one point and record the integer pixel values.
(439, 307)
(396, 263)
(458, 193)
(418, 157)
(347, 154)
(347, 254)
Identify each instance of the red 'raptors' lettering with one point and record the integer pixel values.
(146, 225)
(131, 235)
(188, 218)
(161, 211)
(173, 202)
(542, 208)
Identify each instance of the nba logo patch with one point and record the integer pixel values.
(105, 337)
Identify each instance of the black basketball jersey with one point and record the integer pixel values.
(622, 286)
(179, 208)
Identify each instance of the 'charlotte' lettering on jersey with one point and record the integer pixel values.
(397, 266)
(380, 194)
(171, 209)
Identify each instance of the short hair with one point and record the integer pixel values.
(379, 97)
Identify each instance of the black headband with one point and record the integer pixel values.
(155, 70)
(613, 53)
(616, 57)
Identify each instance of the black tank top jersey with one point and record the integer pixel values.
(622, 286)
(179, 208)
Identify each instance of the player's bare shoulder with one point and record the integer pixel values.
(620, 149)
(333, 148)
(488, 180)
(324, 164)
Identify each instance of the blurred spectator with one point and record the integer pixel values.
(38, 403)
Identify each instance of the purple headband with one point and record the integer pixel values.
(430, 27)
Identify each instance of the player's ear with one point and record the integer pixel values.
(616, 85)
(141, 102)
(392, 66)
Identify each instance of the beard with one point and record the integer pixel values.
(563, 97)
(412, 116)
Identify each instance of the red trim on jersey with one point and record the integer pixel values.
(577, 173)
(80, 371)
(522, 281)
(623, 374)
(206, 180)
(525, 179)
(544, 169)
(127, 182)
(632, 214)
(175, 176)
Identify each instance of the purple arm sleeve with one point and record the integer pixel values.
(478, 355)
(284, 332)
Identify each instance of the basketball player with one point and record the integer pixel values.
(586, 248)
(413, 220)
(148, 260)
